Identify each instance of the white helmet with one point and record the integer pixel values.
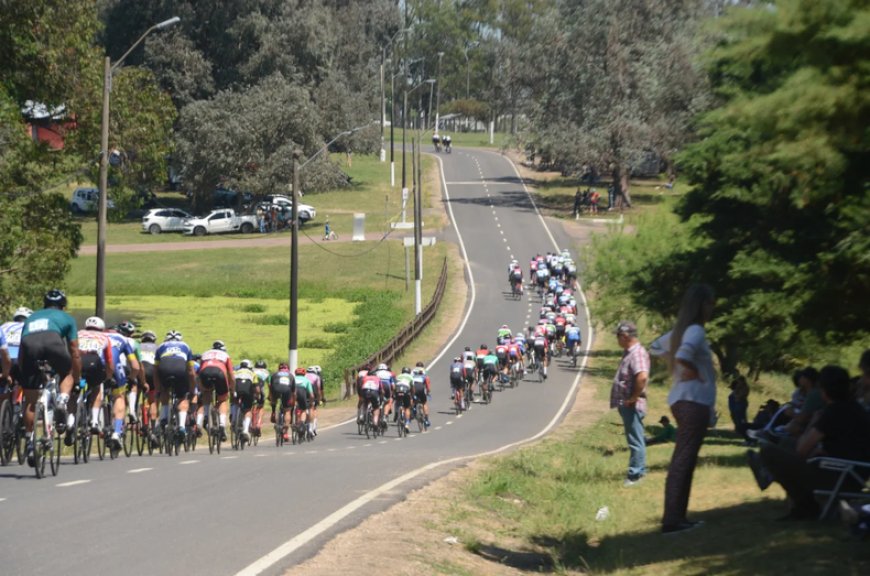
(383, 366)
(23, 312)
(95, 323)
(245, 363)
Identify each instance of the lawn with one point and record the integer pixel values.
(544, 499)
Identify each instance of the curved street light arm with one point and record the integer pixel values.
(159, 26)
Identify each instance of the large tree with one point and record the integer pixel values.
(781, 184)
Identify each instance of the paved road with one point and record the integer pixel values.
(264, 510)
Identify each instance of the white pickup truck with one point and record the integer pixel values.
(218, 221)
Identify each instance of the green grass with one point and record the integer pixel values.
(545, 497)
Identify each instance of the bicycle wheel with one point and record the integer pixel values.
(21, 442)
(39, 436)
(368, 424)
(85, 440)
(169, 439)
(421, 421)
(128, 439)
(140, 437)
(7, 432)
(56, 446)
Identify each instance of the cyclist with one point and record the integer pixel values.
(515, 276)
(304, 397)
(501, 352)
(127, 329)
(98, 365)
(481, 354)
(371, 394)
(360, 404)
(245, 379)
(127, 373)
(504, 333)
(11, 333)
(469, 363)
(490, 370)
(147, 351)
(436, 142)
(457, 380)
(51, 335)
(281, 394)
(541, 345)
(422, 391)
(313, 375)
(173, 368)
(261, 370)
(216, 375)
(403, 393)
(574, 338)
(446, 140)
(387, 379)
(515, 355)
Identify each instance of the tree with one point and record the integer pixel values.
(780, 199)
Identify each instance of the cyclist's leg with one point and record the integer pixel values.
(119, 412)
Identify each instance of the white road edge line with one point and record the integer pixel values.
(319, 528)
(73, 483)
(137, 470)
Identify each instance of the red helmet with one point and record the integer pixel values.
(300, 371)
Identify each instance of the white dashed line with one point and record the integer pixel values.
(260, 455)
(137, 470)
(189, 462)
(448, 423)
(438, 427)
(311, 451)
(228, 457)
(73, 483)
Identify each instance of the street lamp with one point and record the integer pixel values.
(438, 91)
(404, 126)
(468, 46)
(384, 59)
(293, 347)
(108, 69)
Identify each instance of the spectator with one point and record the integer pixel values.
(692, 399)
(738, 404)
(594, 198)
(862, 387)
(841, 431)
(667, 434)
(628, 395)
(808, 380)
(578, 203)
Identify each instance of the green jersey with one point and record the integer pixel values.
(51, 320)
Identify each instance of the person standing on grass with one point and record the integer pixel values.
(628, 395)
(692, 399)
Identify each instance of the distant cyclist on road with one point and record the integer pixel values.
(216, 374)
(11, 333)
(422, 391)
(173, 368)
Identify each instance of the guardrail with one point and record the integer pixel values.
(400, 341)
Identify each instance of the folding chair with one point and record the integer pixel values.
(847, 469)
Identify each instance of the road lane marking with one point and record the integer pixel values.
(438, 427)
(228, 457)
(73, 483)
(189, 462)
(137, 470)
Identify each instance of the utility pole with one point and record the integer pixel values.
(293, 352)
(438, 92)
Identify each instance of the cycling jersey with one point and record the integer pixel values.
(121, 352)
(490, 364)
(96, 355)
(469, 356)
(171, 361)
(281, 386)
(316, 384)
(457, 374)
(11, 333)
(404, 384)
(503, 333)
(421, 383)
(46, 336)
(51, 320)
(514, 351)
(218, 359)
(387, 379)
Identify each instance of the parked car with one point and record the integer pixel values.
(87, 200)
(285, 203)
(219, 221)
(159, 220)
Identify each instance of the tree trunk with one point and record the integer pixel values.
(623, 188)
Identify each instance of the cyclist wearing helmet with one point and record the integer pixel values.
(388, 379)
(479, 356)
(216, 375)
(261, 371)
(503, 333)
(403, 392)
(281, 394)
(10, 332)
(371, 393)
(173, 368)
(50, 335)
(98, 365)
(469, 368)
(127, 329)
(147, 351)
(304, 398)
(422, 390)
(127, 372)
(313, 375)
(245, 386)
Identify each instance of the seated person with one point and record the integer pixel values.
(800, 421)
(668, 433)
(738, 404)
(842, 430)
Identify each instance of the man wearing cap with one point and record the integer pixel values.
(667, 434)
(628, 395)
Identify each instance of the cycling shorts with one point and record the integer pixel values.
(456, 382)
(420, 397)
(48, 346)
(284, 393)
(93, 369)
(245, 390)
(403, 400)
(490, 370)
(372, 397)
(213, 378)
(388, 391)
(302, 401)
(173, 374)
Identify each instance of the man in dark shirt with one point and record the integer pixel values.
(842, 430)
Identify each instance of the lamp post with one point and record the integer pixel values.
(404, 127)
(384, 59)
(438, 91)
(468, 46)
(108, 69)
(292, 346)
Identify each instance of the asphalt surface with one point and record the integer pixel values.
(265, 509)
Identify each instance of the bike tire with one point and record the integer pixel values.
(54, 454)
(128, 440)
(39, 434)
(7, 432)
(368, 424)
(421, 422)
(140, 438)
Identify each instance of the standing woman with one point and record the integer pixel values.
(692, 399)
